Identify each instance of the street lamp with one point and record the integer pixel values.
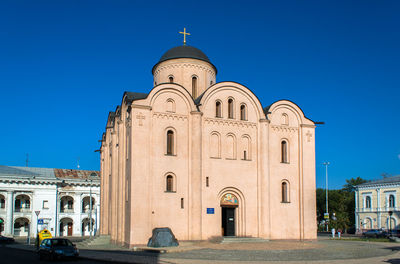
(326, 174)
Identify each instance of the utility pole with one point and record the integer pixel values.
(326, 194)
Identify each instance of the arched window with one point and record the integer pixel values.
(194, 87)
(171, 79)
(245, 147)
(243, 112)
(367, 202)
(2, 202)
(170, 142)
(170, 105)
(284, 152)
(391, 201)
(285, 192)
(170, 183)
(230, 108)
(218, 110)
(230, 147)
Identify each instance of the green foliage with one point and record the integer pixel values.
(341, 202)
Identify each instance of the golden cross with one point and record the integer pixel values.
(184, 35)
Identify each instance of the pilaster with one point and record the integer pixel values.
(10, 209)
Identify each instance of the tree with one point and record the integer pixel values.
(341, 202)
(351, 183)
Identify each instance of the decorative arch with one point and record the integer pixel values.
(215, 145)
(240, 208)
(289, 106)
(86, 204)
(368, 224)
(230, 146)
(66, 203)
(285, 119)
(21, 226)
(170, 145)
(170, 105)
(246, 147)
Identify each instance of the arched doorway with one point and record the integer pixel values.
(21, 226)
(368, 223)
(86, 226)
(66, 227)
(229, 203)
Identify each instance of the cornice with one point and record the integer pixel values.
(229, 122)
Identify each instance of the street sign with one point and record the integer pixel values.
(326, 215)
(40, 221)
(210, 210)
(37, 213)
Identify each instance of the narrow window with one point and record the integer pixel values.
(207, 182)
(194, 87)
(242, 112)
(230, 108)
(171, 79)
(285, 119)
(45, 204)
(391, 201)
(218, 112)
(181, 203)
(368, 202)
(170, 142)
(284, 158)
(245, 155)
(285, 197)
(170, 182)
(2, 203)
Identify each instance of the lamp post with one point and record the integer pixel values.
(390, 222)
(326, 193)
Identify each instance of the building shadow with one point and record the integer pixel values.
(121, 256)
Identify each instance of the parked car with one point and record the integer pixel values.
(55, 248)
(376, 233)
(6, 240)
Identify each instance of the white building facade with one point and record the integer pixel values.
(377, 204)
(61, 198)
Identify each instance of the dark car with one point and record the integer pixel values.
(6, 240)
(375, 233)
(55, 248)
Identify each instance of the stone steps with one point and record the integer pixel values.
(243, 240)
(97, 240)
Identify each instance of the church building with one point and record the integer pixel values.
(205, 159)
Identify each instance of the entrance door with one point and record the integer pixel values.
(228, 221)
(69, 229)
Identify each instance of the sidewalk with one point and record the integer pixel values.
(273, 252)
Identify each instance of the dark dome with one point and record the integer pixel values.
(184, 52)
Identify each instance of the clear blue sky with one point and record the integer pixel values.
(65, 64)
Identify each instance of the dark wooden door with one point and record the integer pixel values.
(228, 221)
(69, 229)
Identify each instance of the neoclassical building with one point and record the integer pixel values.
(61, 196)
(205, 159)
(374, 201)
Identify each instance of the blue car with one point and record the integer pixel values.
(375, 233)
(56, 248)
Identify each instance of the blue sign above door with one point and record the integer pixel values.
(210, 210)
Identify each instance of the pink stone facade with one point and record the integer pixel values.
(170, 160)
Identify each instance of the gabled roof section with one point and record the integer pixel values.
(388, 180)
(132, 96)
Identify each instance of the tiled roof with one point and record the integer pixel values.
(77, 174)
(48, 173)
(387, 180)
(26, 171)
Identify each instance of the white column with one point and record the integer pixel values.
(378, 210)
(9, 219)
(357, 220)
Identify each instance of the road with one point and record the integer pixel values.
(15, 256)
